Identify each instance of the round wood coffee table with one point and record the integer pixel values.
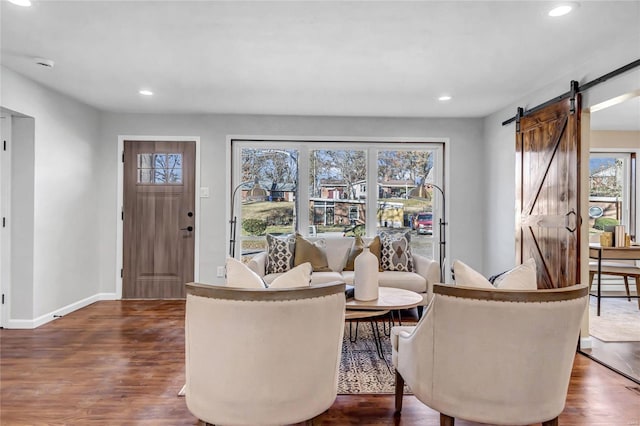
(389, 298)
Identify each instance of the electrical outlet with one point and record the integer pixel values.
(220, 271)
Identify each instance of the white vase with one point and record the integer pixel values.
(365, 277)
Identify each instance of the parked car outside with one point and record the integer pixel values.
(423, 223)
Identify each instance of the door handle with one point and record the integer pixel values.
(575, 223)
(188, 228)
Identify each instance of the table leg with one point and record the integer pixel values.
(355, 338)
(377, 339)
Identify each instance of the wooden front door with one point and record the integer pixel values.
(547, 193)
(159, 218)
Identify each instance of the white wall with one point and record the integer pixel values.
(465, 196)
(65, 198)
(75, 180)
(75, 186)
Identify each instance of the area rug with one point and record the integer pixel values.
(362, 371)
(619, 320)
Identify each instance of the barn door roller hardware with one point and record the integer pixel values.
(572, 99)
(575, 88)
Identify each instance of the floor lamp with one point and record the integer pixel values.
(233, 221)
(417, 193)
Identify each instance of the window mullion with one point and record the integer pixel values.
(372, 191)
(302, 193)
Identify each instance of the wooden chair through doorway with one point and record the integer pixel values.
(619, 269)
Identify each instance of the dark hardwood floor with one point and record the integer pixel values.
(122, 363)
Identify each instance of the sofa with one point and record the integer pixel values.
(338, 251)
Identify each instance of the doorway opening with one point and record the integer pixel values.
(613, 200)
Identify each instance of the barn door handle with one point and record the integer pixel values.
(188, 228)
(575, 226)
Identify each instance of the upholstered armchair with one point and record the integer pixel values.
(265, 356)
(501, 357)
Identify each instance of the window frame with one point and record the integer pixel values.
(371, 145)
(630, 185)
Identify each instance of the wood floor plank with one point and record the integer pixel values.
(122, 363)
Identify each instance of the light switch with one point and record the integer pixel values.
(204, 192)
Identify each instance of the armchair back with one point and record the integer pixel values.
(268, 356)
(493, 356)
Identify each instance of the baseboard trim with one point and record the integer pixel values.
(58, 313)
(585, 342)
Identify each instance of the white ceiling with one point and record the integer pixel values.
(624, 116)
(360, 58)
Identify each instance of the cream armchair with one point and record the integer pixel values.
(262, 357)
(491, 356)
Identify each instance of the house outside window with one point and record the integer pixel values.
(353, 214)
(611, 193)
(333, 186)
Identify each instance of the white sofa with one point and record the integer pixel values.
(337, 249)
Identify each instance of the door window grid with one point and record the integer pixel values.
(159, 168)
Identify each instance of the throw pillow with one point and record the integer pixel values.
(522, 277)
(314, 253)
(300, 276)
(396, 252)
(240, 276)
(280, 253)
(466, 276)
(375, 247)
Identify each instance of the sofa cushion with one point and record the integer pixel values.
(312, 252)
(240, 276)
(338, 250)
(299, 276)
(466, 276)
(522, 277)
(375, 247)
(280, 252)
(326, 277)
(316, 277)
(406, 280)
(396, 252)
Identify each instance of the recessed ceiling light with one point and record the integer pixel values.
(562, 9)
(25, 3)
(444, 98)
(44, 62)
(146, 92)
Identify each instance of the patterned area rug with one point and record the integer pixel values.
(619, 320)
(362, 371)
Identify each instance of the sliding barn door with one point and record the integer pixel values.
(548, 192)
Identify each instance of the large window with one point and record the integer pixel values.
(337, 189)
